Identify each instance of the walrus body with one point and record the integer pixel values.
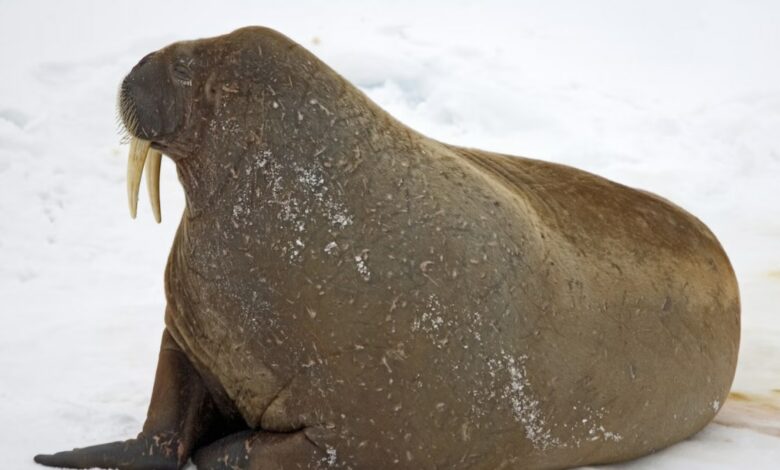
(345, 292)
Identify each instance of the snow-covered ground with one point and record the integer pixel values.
(680, 98)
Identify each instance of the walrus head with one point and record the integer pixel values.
(203, 100)
(154, 102)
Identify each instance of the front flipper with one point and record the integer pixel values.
(142, 453)
(181, 414)
(256, 450)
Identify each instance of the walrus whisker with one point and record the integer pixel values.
(122, 131)
(126, 115)
(121, 108)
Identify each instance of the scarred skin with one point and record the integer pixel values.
(345, 292)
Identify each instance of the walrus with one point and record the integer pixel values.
(345, 292)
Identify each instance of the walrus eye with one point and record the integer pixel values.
(182, 73)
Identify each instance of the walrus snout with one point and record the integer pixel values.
(151, 106)
(148, 102)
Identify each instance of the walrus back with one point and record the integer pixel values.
(647, 292)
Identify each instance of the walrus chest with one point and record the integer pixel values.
(221, 313)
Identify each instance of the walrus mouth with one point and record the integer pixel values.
(142, 154)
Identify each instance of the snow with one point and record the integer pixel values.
(362, 268)
(524, 407)
(679, 98)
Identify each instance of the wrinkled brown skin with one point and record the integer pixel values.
(477, 311)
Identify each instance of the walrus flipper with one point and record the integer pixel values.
(180, 414)
(260, 449)
(133, 454)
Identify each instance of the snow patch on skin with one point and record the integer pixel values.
(331, 248)
(313, 184)
(525, 407)
(304, 200)
(431, 321)
(340, 219)
(242, 209)
(590, 427)
(527, 410)
(362, 268)
(596, 430)
(331, 456)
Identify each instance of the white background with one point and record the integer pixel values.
(679, 98)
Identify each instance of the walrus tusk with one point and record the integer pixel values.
(153, 161)
(135, 166)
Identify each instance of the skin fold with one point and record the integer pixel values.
(344, 292)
